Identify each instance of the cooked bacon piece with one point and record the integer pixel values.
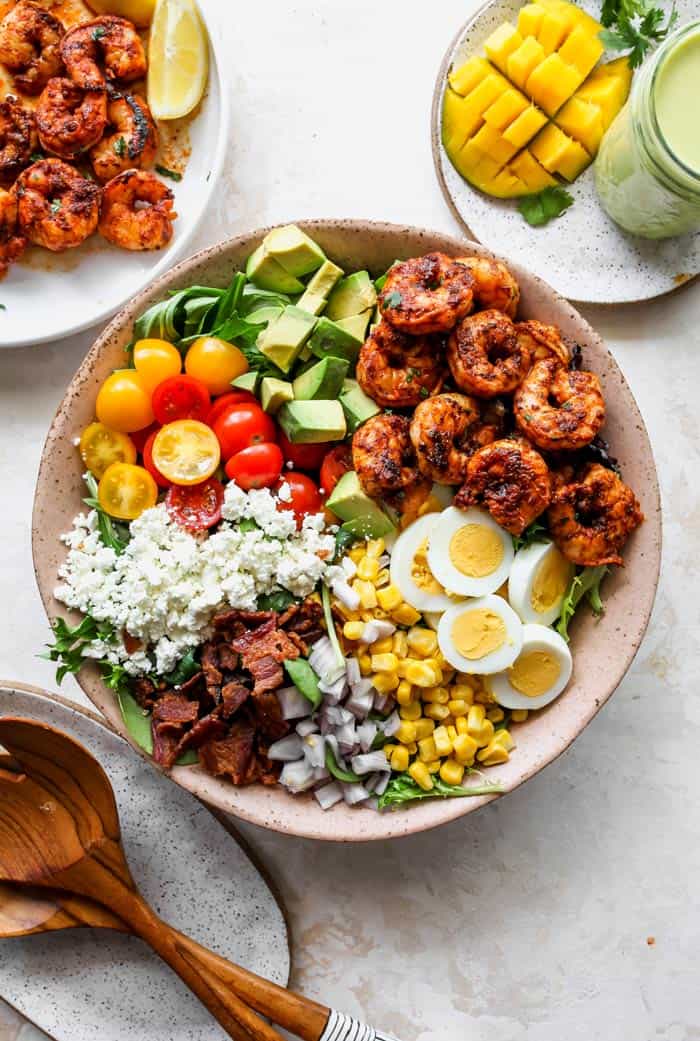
(268, 715)
(207, 729)
(300, 618)
(233, 695)
(193, 686)
(212, 673)
(267, 674)
(171, 714)
(252, 637)
(226, 619)
(164, 746)
(230, 756)
(144, 692)
(228, 659)
(266, 641)
(299, 643)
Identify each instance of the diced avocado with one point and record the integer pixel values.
(265, 315)
(356, 324)
(312, 422)
(294, 250)
(322, 380)
(267, 273)
(305, 353)
(248, 381)
(304, 679)
(311, 302)
(329, 339)
(362, 515)
(283, 340)
(274, 393)
(353, 295)
(357, 406)
(319, 286)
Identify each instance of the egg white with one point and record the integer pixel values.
(449, 523)
(498, 660)
(523, 573)
(402, 555)
(535, 638)
(432, 619)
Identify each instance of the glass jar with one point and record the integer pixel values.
(642, 183)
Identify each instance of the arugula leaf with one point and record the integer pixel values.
(70, 643)
(403, 788)
(635, 26)
(585, 584)
(280, 600)
(540, 208)
(253, 298)
(113, 534)
(186, 668)
(535, 532)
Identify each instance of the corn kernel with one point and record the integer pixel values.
(389, 749)
(424, 728)
(422, 642)
(462, 692)
(442, 741)
(464, 749)
(519, 715)
(385, 682)
(452, 731)
(345, 612)
(492, 754)
(366, 592)
(400, 647)
(375, 548)
(484, 697)
(412, 748)
(399, 759)
(486, 735)
(461, 725)
(495, 714)
(385, 662)
(356, 554)
(383, 578)
(502, 737)
(404, 693)
(389, 597)
(404, 614)
(468, 681)
(353, 630)
(436, 695)
(383, 646)
(452, 772)
(365, 663)
(406, 732)
(419, 773)
(412, 711)
(427, 750)
(434, 767)
(421, 673)
(475, 719)
(440, 712)
(367, 569)
(457, 707)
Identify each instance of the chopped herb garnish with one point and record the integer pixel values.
(36, 156)
(164, 171)
(55, 205)
(544, 206)
(98, 33)
(392, 299)
(120, 147)
(424, 392)
(635, 26)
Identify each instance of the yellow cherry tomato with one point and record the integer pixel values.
(215, 362)
(124, 402)
(155, 361)
(100, 447)
(186, 451)
(125, 491)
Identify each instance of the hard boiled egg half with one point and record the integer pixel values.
(481, 636)
(469, 553)
(539, 673)
(539, 579)
(410, 571)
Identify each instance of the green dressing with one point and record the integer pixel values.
(676, 95)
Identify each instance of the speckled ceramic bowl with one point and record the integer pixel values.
(602, 651)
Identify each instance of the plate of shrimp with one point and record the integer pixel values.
(97, 197)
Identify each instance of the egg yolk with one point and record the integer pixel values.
(478, 633)
(534, 673)
(421, 574)
(550, 582)
(476, 550)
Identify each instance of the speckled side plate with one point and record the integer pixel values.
(583, 253)
(602, 652)
(84, 984)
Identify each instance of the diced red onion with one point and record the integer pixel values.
(345, 593)
(349, 567)
(352, 669)
(366, 733)
(369, 763)
(287, 750)
(377, 629)
(335, 690)
(360, 702)
(297, 777)
(293, 703)
(384, 703)
(383, 783)
(337, 715)
(321, 773)
(329, 795)
(354, 793)
(306, 727)
(324, 662)
(315, 750)
(384, 561)
(347, 737)
(391, 724)
(332, 742)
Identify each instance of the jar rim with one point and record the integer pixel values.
(659, 58)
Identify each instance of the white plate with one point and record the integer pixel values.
(583, 254)
(50, 295)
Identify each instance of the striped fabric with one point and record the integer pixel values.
(344, 1028)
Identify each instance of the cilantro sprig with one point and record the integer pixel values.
(635, 26)
(544, 206)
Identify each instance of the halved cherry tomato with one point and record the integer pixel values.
(197, 507)
(180, 397)
(186, 452)
(140, 437)
(241, 426)
(155, 361)
(100, 447)
(256, 467)
(125, 491)
(153, 470)
(215, 362)
(337, 462)
(124, 402)
(234, 397)
(304, 496)
(306, 457)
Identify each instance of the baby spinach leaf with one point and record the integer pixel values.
(70, 643)
(186, 668)
(280, 600)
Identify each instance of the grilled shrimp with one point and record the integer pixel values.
(494, 286)
(426, 294)
(382, 455)
(591, 517)
(70, 120)
(58, 209)
(30, 45)
(12, 241)
(17, 137)
(544, 341)
(137, 211)
(511, 480)
(486, 356)
(131, 140)
(445, 431)
(105, 47)
(558, 408)
(396, 370)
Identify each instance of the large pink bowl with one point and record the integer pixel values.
(602, 651)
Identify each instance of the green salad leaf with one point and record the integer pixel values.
(136, 719)
(535, 532)
(544, 206)
(585, 584)
(349, 776)
(114, 535)
(186, 668)
(403, 788)
(280, 600)
(70, 642)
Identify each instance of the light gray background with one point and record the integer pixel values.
(531, 920)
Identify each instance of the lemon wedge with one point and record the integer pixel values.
(178, 59)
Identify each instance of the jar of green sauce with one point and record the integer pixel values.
(648, 167)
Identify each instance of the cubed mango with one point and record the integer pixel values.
(502, 42)
(522, 62)
(559, 154)
(552, 83)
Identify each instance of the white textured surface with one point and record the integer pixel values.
(529, 920)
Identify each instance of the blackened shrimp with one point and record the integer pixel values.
(105, 48)
(12, 241)
(30, 45)
(511, 480)
(445, 431)
(426, 294)
(557, 408)
(494, 286)
(486, 356)
(592, 516)
(398, 371)
(70, 120)
(58, 209)
(383, 456)
(137, 211)
(17, 138)
(544, 341)
(131, 139)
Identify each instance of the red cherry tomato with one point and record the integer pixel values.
(337, 462)
(241, 426)
(306, 457)
(256, 467)
(233, 397)
(140, 437)
(305, 496)
(153, 470)
(180, 397)
(196, 506)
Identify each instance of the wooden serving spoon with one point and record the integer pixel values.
(62, 866)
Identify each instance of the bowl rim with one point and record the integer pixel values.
(225, 796)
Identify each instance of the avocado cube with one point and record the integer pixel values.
(325, 278)
(267, 273)
(311, 302)
(362, 515)
(356, 324)
(312, 422)
(323, 380)
(274, 393)
(352, 295)
(248, 381)
(357, 406)
(283, 340)
(294, 250)
(329, 338)
(265, 315)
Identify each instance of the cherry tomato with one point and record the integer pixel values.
(215, 362)
(197, 507)
(153, 470)
(256, 467)
(305, 496)
(337, 462)
(306, 457)
(125, 491)
(185, 452)
(140, 437)
(221, 405)
(155, 361)
(100, 447)
(241, 426)
(180, 397)
(124, 402)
